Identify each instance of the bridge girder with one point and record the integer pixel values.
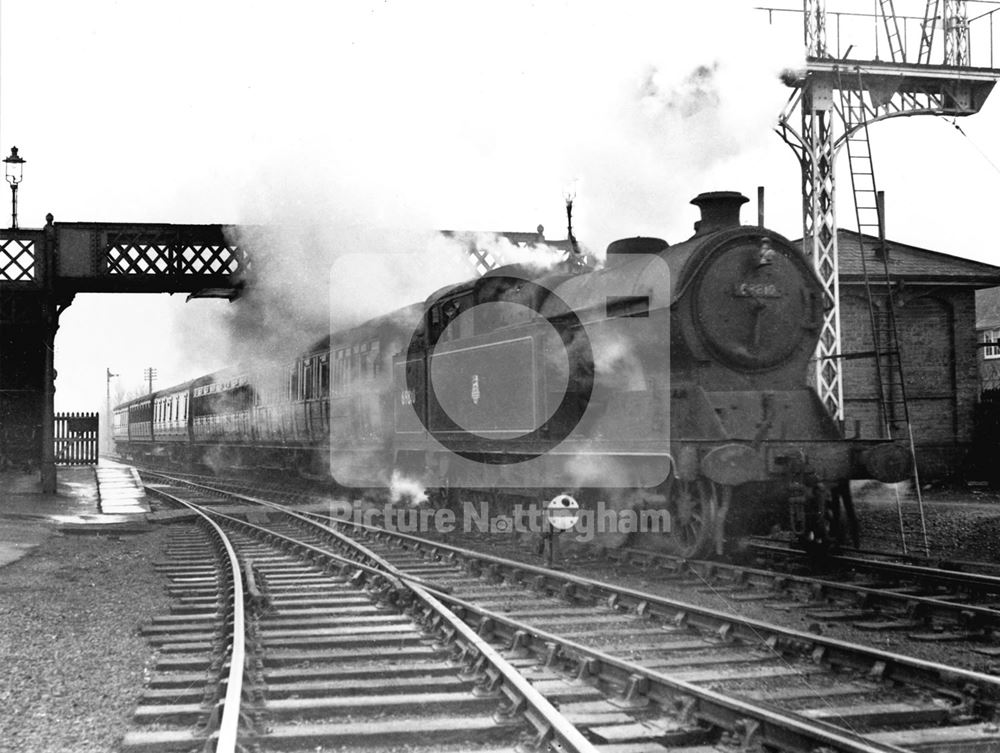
(42, 270)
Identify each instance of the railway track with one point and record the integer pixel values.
(324, 652)
(781, 547)
(925, 603)
(702, 676)
(880, 594)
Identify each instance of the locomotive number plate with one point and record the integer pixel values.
(756, 290)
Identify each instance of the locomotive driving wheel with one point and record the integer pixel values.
(692, 505)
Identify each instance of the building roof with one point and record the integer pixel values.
(912, 264)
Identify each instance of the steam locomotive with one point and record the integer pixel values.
(671, 378)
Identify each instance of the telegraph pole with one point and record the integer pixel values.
(149, 375)
(109, 443)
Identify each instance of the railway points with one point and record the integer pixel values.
(645, 650)
(321, 632)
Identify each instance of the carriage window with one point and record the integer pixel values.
(314, 391)
(355, 363)
(340, 373)
(363, 354)
(324, 375)
(368, 356)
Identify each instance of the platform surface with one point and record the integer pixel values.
(104, 498)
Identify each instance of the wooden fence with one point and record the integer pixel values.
(76, 438)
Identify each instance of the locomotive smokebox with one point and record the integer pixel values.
(719, 210)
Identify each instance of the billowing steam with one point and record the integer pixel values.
(400, 141)
(408, 490)
(698, 92)
(494, 249)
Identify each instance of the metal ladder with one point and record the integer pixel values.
(927, 29)
(893, 407)
(892, 31)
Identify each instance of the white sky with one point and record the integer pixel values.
(344, 121)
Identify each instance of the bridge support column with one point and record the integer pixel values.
(22, 373)
(50, 323)
(48, 467)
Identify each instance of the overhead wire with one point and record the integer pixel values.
(983, 154)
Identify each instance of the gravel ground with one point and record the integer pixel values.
(961, 524)
(72, 659)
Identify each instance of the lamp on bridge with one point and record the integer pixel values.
(569, 194)
(14, 167)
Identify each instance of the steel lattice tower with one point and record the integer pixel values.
(835, 95)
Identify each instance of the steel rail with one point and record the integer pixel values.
(781, 728)
(545, 717)
(229, 723)
(790, 731)
(549, 722)
(920, 607)
(942, 562)
(895, 666)
(948, 564)
(955, 578)
(300, 545)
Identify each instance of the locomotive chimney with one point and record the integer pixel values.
(719, 210)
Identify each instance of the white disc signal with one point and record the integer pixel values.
(562, 512)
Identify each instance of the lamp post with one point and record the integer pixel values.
(569, 194)
(14, 171)
(110, 443)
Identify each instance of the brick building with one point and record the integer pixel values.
(988, 411)
(936, 323)
(988, 335)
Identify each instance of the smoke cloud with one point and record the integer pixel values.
(362, 129)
